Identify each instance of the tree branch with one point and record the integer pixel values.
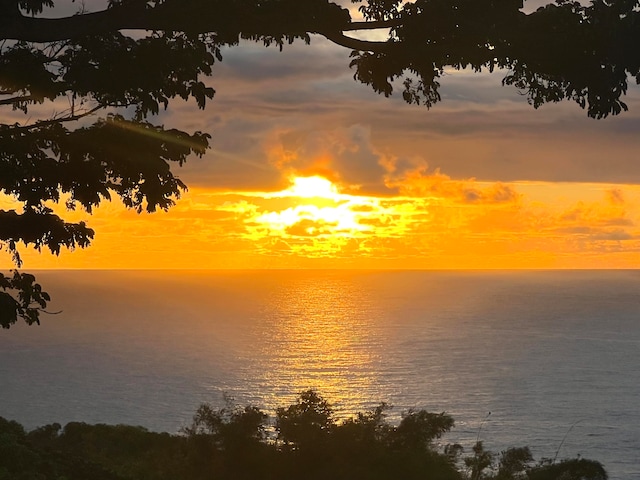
(341, 39)
(45, 30)
(135, 16)
(375, 25)
(69, 118)
(9, 8)
(10, 101)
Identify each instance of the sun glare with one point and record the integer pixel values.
(320, 210)
(313, 187)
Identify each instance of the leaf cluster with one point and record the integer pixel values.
(21, 297)
(565, 50)
(35, 6)
(378, 10)
(66, 159)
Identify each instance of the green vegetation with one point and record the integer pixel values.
(304, 441)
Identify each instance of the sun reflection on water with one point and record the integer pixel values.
(319, 335)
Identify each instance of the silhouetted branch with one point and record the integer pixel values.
(12, 100)
(373, 25)
(339, 38)
(57, 120)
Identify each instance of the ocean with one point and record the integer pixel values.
(548, 359)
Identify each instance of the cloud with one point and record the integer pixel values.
(345, 156)
(481, 130)
(615, 196)
(615, 235)
(411, 177)
(209, 229)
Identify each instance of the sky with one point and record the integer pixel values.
(310, 169)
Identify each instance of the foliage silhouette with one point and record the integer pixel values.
(563, 51)
(23, 459)
(234, 443)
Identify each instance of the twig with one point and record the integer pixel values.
(565, 437)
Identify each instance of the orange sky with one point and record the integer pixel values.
(434, 222)
(482, 180)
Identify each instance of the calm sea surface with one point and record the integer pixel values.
(554, 356)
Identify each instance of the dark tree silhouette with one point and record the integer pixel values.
(231, 443)
(563, 51)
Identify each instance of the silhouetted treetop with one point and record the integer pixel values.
(562, 51)
(230, 443)
(105, 81)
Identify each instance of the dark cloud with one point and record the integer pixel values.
(343, 155)
(498, 193)
(307, 97)
(270, 65)
(618, 221)
(615, 235)
(615, 196)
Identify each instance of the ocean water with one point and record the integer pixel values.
(545, 359)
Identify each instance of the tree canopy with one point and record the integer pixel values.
(102, 144)
(232, 443)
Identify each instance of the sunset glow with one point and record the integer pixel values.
(327, 219)
(313, 187)
(319, 211)
(431, 221)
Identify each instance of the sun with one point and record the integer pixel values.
(313, 187)
(314, 217)
(314, 208)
